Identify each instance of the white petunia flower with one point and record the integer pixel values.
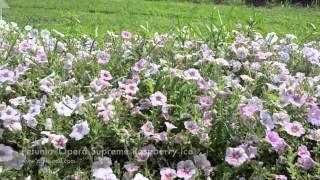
(80, 130)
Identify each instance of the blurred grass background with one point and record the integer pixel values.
(157, 16)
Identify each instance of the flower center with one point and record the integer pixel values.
(236, 156)
(294, 129)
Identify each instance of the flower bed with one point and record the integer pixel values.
(167, 106)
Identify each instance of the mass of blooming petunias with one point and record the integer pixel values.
(242, 105)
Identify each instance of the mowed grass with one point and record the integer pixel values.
(157, 16)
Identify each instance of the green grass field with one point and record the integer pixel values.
(158, 16)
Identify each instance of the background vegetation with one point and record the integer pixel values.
(157, 16)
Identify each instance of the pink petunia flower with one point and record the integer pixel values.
(192, 127)
(236, 156)
(314, 135)
(266, 119)
(148, 129)
(203, 163)
(303, 151)
(160, 137)
(294, 129)
(248, 110)
(126, 35)
(140, 65)
(168, 173)
(314, 116)
(99, 84)
(251, 108)
(145, 153)
(101, 169)
(242, 52)
(47, 85)
(205, 101)
(131, 88)
(105, 75)
(42, 57)
(277, 143)
(106, 112)
(169, 126)
(186, 169)
(281, 118)
(58, 141)
(139, 176)
(131, 167)
(280, 177)
(306, 162)
(158, 99)
(18, 101)
(103, 57)
(192, 74)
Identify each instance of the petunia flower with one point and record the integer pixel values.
(192, 74)
(58, 141)
(251, 108)
(314, 116)
(186, 169)
(192, 127)
(30, 120)
(18, 101)
(6, 153)
(126, 35)
(168, 173)
(148, 129)
(145, 153)
(41, 57)
(131, 88)
(205, 101)
(277, 143)
(131, 167)
(101, 169)
(80, 130)
(62, 109)
(203, 163)
(280, 177)
(105, 75)
(106, 112)
(303, 151)
(9, 114)
(160, 137)
(139, 176)
(306, 162)
(158, 99)
(103, 57)
(236, 156)
(140, 65)
(266, 119)
(314, 135)
(242, 53)
(281, 118)
(251, 152)
(294, 129)
(8, 76)
(16, 162)
(98, 84)
(169, 126)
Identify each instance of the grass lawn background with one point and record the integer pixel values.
(158, 16)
